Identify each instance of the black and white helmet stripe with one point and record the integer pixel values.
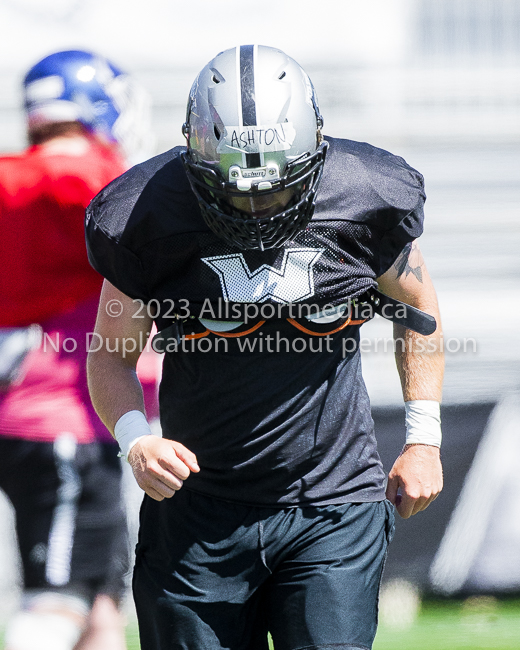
(247, 97)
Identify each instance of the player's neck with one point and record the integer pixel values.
(69, 145)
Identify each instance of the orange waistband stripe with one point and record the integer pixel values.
(293, 322)
(201, 335)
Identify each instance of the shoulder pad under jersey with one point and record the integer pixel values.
(369, 185)
(144, 196)
(149, 201)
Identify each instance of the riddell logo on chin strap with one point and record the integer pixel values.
(294, 280)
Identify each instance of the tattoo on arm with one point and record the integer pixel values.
(410, 260)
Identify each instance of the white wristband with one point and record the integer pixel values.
(423, 423)
(130, 428)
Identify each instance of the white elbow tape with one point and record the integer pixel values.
(130, 428)
(423, 423)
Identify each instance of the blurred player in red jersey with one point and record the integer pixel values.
(60, 467)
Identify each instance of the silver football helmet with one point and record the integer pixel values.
(255, 153)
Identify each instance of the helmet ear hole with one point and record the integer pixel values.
(282, 75)
(216, 131)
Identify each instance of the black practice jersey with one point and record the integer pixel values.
(275, 409)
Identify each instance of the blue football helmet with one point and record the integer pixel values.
(79, 86)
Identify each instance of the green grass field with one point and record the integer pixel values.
(451, 625)
(457, 626)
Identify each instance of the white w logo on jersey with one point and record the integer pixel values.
(294, 281)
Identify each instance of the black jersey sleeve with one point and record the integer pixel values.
(406, 190)
(119, 265)
(114, 224)
(394, 241)
(368, 185)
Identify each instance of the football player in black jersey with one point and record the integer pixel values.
(256, 250)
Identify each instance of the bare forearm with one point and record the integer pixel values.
(415, 479)
(111, 371)
(114, 387)
(420, 363)
(420, 359)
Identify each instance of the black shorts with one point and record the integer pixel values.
(70, 519)
(212, 574)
